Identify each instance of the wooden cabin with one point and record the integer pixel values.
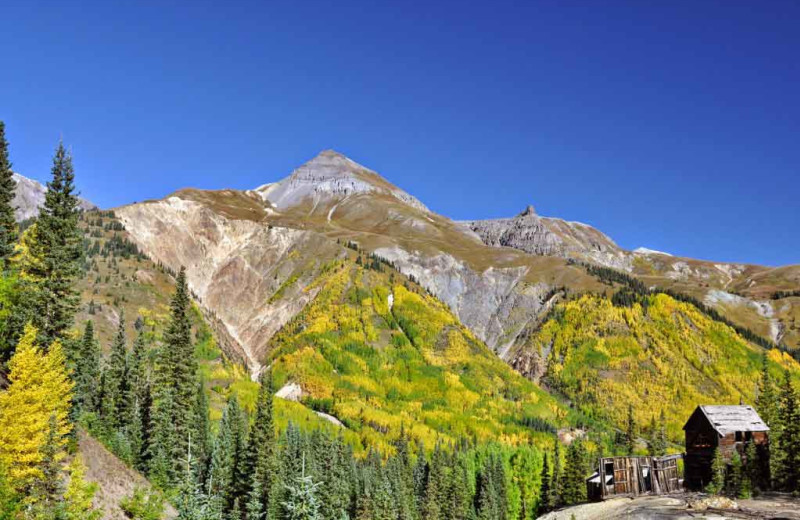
(728, 428)
(634, 476)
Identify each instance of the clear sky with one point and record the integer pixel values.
(671, 125)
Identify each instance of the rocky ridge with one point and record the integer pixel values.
(29, 197)
(252, 256)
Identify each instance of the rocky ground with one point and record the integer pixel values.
(683, 506)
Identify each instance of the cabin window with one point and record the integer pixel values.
(748, 436)
(738, 436)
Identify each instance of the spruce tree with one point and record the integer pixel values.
(87, 372)
(47, 488)
(55, 253)
(573, 488)
(8, 223)
(435, 499)
(544, 488)
(788, 446)
(179, 356)
(718, 471)
(420, 477)
(262, 450)
(301, 501)
(227, 453)
(630, 432)
(766, 398)
(555, 499)
(117, 378)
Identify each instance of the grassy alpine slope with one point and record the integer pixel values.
(657, 354)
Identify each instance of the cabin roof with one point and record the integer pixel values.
(727, 419)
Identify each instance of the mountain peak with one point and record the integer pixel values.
(528, 211)
(331, 175)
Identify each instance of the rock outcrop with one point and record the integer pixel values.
(29, 197)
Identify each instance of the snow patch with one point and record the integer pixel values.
(648, 251)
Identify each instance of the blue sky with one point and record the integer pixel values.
(671, 125)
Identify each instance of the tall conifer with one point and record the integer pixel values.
(8, 223)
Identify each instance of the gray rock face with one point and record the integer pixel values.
(495, 305)
(330, 175)
(546, 236)
(29, 197)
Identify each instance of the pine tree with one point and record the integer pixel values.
(733, 476)
(8, 223)
(630, 432)
(55, 253)
(787, 448)
(39, 389)
(301, 502)
(87, 372)
(458, 492)
(718, 471)
(544, 489)
(573, 488)
(226, 453)
(766, 399)
(435, 499)
(117, 378)
(262, 449)
(555, 499)
(162, 460)
(181, 361)
(201, 446)
(47, 487)
(420, 478)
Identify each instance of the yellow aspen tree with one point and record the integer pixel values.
(39, 388)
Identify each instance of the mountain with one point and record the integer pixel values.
(251, 257)
(29, 197)
(551, 237)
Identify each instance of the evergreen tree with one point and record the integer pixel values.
(55, 253)
(420, 478)
(226, 453)
(544, 489)
(301, 502)
(47, 487)
(181, 361)
(87, 372)
(435, 498)
(766, 398)
(490, 493)
(202, 432)
(8, 223)
(630, 432)
(787, 448)
(555, 499)
(733, 476)
(573, 488)
(117, 377)
(262, 449)
(718, 471)
(161, 453)
(458, 492)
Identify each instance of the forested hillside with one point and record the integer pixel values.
(652, 353)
